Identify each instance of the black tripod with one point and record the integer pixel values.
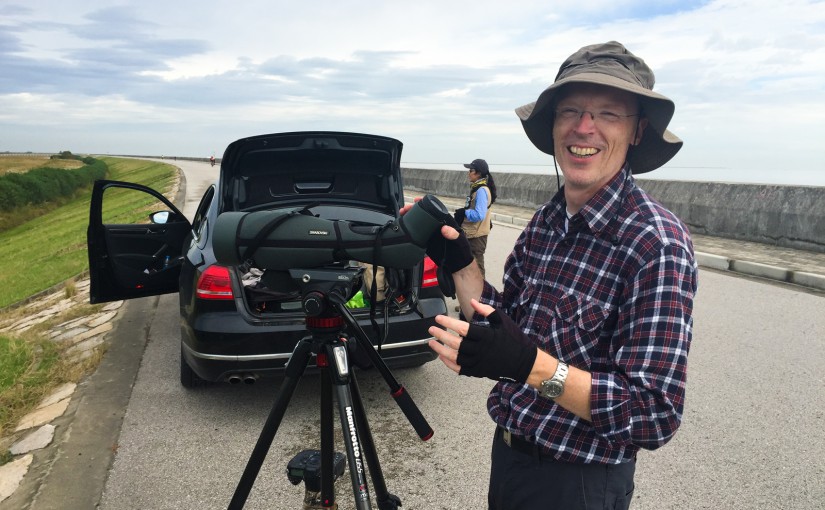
(323, 294)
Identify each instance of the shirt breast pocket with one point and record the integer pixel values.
(577, 325)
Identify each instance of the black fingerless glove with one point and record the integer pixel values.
(449, 255)
(459, 215)
(501, 351)
(452, 255)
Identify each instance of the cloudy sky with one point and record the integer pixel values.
(189, 77)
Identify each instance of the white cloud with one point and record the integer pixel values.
(189, 77)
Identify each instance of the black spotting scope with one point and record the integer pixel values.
(295, 238)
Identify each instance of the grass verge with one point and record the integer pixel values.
(27, 366)
(32, 366)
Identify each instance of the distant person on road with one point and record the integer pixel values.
(474, 217)
(212, 160)
(589, 336)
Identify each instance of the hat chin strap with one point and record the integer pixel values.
(632, 145)
(558, 179)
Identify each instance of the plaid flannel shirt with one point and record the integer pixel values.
(613, 296)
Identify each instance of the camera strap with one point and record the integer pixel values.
(376, 261)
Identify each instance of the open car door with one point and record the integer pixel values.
(135, 241)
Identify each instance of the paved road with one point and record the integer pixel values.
(752, 434)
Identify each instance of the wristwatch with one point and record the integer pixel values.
(554, 387)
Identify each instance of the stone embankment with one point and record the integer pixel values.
(80, 338)
(779, 215)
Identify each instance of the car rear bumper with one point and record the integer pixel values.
(222, 368)
(225, 347)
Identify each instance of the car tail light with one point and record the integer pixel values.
(214, 283)
(430, 278)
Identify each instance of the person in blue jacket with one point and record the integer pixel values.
(474, 217)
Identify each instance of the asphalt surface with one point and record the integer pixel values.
(91, 428)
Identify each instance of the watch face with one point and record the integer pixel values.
(551, 389)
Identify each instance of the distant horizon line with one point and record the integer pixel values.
(459, 166)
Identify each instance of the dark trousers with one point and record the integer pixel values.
(534, 481)
(478, 245)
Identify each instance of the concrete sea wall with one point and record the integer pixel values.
(788, 216)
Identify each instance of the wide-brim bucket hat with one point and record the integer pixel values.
(612, 65)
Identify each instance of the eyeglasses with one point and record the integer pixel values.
(603, 118)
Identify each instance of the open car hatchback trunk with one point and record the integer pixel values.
(293, 169)
(337, 176)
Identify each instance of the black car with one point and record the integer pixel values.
(241, 322)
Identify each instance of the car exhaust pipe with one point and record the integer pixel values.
(234, 379)
(250, 379)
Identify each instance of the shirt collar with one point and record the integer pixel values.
(601, 209)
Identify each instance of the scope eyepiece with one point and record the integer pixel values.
(433, 206)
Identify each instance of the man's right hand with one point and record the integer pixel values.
(449, 248)
(460, 214)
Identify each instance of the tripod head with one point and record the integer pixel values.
(322, 290)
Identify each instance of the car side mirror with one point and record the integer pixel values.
(160, 217)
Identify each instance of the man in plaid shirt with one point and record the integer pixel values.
(590, 336)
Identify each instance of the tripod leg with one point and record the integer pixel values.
(327, 442)
(398, 392)
(385, 500)
(294, 370)
(340, 372)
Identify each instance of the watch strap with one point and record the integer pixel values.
(554, 387)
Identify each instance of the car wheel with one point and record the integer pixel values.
(188, 377)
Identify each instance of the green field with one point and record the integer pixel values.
(20, 164)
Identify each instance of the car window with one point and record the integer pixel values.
(126, 206)
(199, 222)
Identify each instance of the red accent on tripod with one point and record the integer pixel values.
(325, 322)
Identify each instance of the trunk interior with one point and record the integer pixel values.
(268, 292)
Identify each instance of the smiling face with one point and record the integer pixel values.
(591, 147)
